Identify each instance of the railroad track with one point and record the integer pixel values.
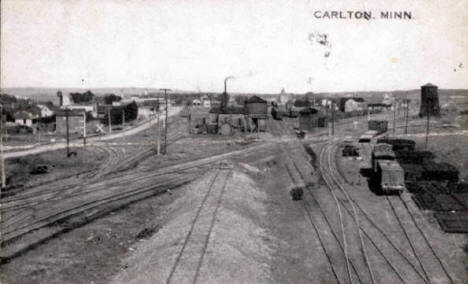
(320, 238)
(86, 210)
(18, 223)
(333, 185)
(371, 227)
(182, 265)
(24, 199)
(443, 272)
(115, 158)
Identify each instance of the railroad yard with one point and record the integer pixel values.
(274, 206)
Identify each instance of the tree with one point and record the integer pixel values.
(131, 113)
(110, 98)
(85, 97)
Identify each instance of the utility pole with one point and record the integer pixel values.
(189, 118)
(68, 132)
(333, 117)
(84, 129)
(38, 128)
(1, 148)
(123, 119)
(109, 121)
(427, 125)
(165, 120)
(158, 129)
(406, 115)
(394, 117)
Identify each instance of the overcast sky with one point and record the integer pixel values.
(193, 45)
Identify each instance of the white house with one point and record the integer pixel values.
(354, 104)
(196, 102)
(207, 103)
(388, 99)
(45, 111)
(24, 118)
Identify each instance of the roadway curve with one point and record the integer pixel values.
(32, 149)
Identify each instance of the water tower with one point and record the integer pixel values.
(429, 100)
(60, 96)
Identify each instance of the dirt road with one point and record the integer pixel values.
(33, 149)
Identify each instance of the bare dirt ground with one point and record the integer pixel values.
(234, 221)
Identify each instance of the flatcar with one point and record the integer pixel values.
(390, 177)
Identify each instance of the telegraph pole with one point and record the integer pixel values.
(189, 118)
(333, 117)
(2, 161)
(38, 128)
(427, 125)
(158, 129)
(84, 129)
(123, 119)
(109, 121)
(394, 117)
(68, 132)
(165, 120)
(406, 115)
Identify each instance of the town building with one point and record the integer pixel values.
(351, 104)
(76, 120)
(196, 102)
(354, 104)
(24, 118)
(45, 111)
(284, 97)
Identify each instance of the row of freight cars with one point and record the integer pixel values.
(393, 162)
(385, 172)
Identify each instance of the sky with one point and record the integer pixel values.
(265, 45)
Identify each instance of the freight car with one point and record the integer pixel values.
(367, 137)
(381, 152)
(380, 126)
(398, 144)
(389, 176)
(365, 151)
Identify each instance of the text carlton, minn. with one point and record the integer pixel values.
(363, 15)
